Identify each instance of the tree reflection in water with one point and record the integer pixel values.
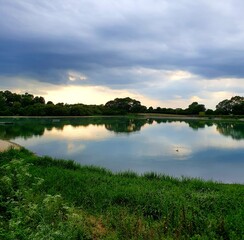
(234, 130)
(29, 127)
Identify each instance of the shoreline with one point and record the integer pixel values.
(140, 115)
(5, 145)
(188, 117)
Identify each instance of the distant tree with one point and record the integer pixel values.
(2, 102)
(179, 111)
(125, 105)
(10, 98)
(27, 104)
(233, 106)
(27, 99)
(37, 109)
(17, 108)
(195, 108)
(238, 109)
(50, 108)
(209, 112)
(40, 100)
(81, 110)
(158, 110)
(60, 110)
(150, 109)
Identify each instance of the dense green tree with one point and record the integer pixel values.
(179, 111)
(150, 109)
(158, 110)
(27, 99)
(209, 112)
(17, 108)
(60, 110)
(125, 105)
(29, 105)
(233, 106)
(195, 108)
(40, 100)
(3, 104)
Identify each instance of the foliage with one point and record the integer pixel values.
(125, 105)
(233, 106)
(26, 214)
(28, 105)
(44, 198)
(13, 104)
(195, 108)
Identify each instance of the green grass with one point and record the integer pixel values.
(45, 198)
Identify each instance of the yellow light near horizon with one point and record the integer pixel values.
(93, 95)
(208, 92)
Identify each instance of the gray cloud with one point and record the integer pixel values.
(105, 40)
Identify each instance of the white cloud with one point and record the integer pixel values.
(75, 76)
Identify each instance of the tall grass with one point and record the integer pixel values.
(45, 198)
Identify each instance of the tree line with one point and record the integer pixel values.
(13, 104)
(233, 106)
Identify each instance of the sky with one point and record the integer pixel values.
(165, 53)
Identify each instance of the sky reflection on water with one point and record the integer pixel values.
(205, 150)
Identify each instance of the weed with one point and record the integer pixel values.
(45, 198)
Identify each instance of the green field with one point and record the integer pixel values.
(44, 198)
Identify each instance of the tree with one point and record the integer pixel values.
(150, 109)
(233, 106)
(195, 108)
(125, 105)
(27, 99)
(210, 112)
(16, 109)
(40, 100)
(2, 102)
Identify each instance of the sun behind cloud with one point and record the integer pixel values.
(75, 76)
(93, 95)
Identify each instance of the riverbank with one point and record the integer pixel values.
(45, 198)
(6, 145)
(142, 115)
(191, 117)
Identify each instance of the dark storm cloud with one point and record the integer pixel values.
(108, 40)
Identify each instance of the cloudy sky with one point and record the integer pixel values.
(165, 53)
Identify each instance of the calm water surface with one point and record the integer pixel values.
(208, 150)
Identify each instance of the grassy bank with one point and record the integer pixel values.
(234, 118)
(43, 198)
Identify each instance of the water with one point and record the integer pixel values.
(203, 149)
